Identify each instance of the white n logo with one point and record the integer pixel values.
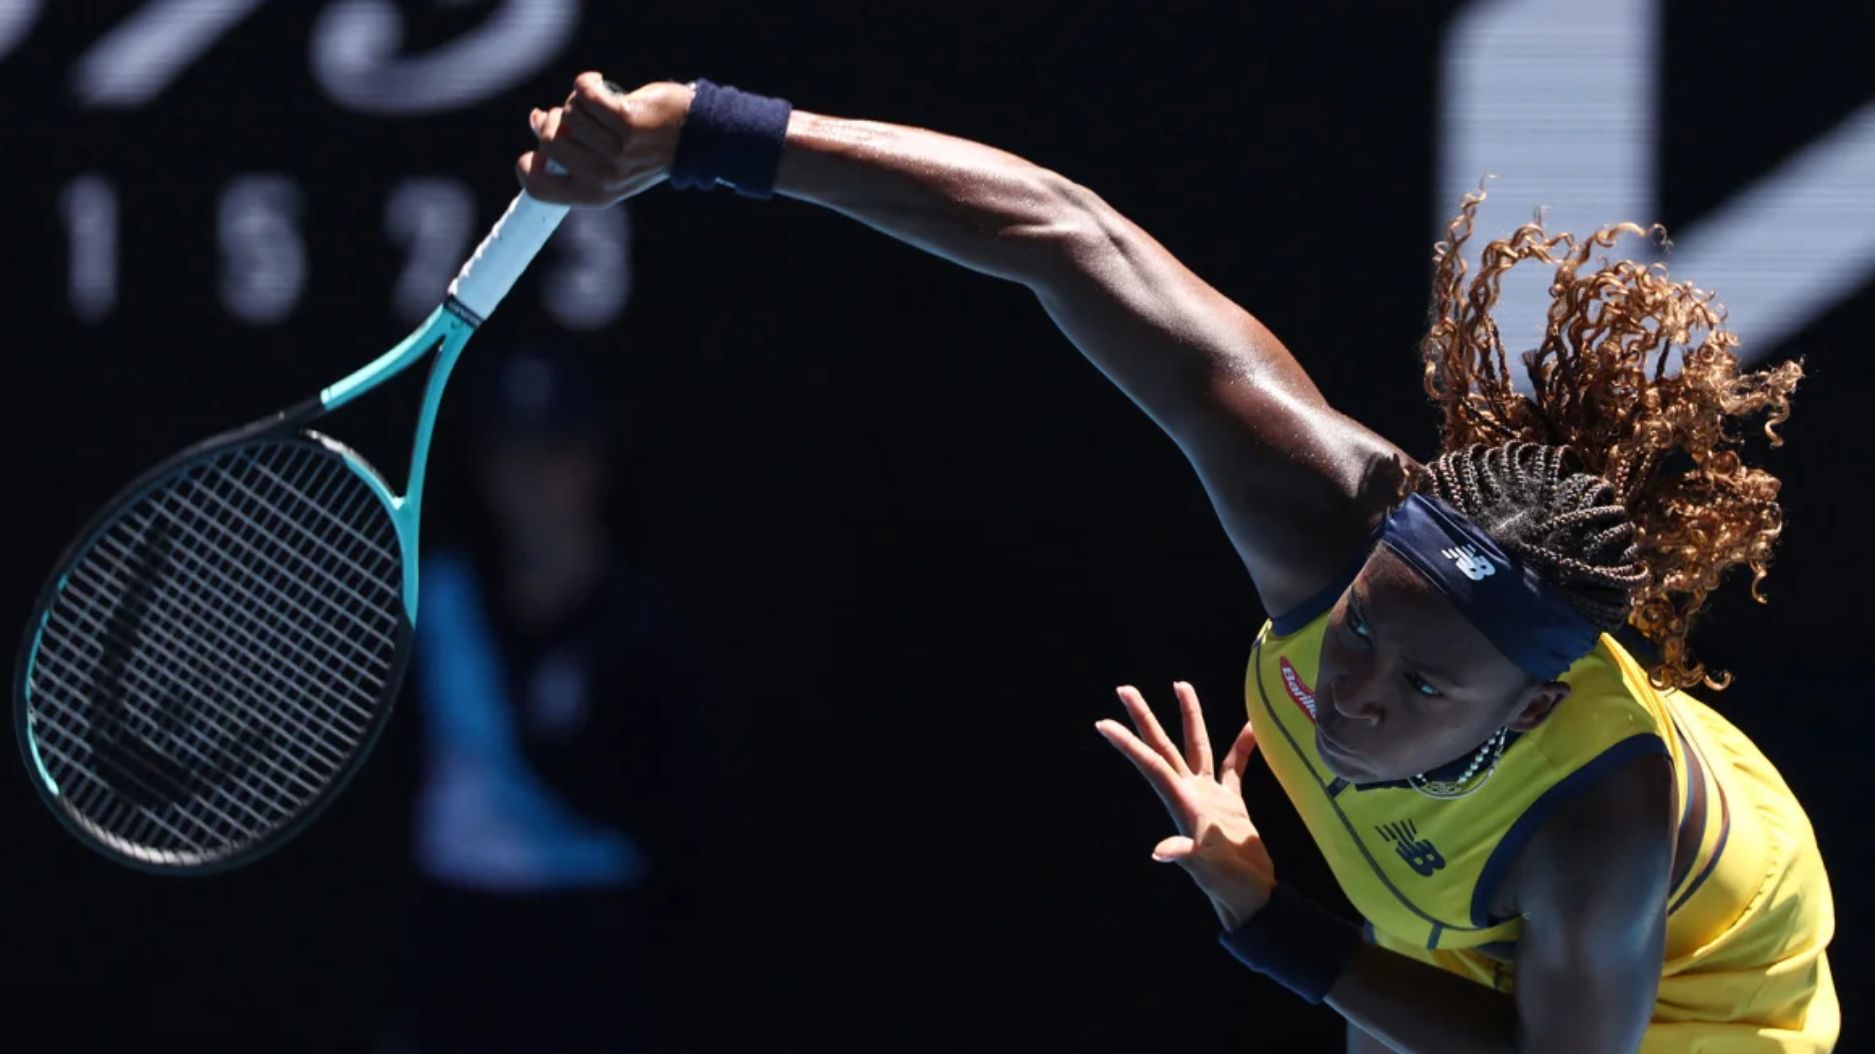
(1470, 562)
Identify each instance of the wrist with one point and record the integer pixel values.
(1237, 908)
(674, 98)
(663, 105)
(727, 137)
(1295, 942)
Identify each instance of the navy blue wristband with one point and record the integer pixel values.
(1295, 942)
(731, 137)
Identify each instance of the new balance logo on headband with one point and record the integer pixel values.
(1474, 566)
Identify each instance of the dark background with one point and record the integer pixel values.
(919, 538)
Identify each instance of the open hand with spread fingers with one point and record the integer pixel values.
(1216, 843)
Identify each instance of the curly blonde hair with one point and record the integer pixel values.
(1620, 483)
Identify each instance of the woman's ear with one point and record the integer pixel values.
(1536, 704)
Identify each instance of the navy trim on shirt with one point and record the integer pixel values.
(1725, 829)
(1505, 853)
(1692, 809)
(1448, 772)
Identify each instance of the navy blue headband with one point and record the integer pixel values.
(1528, 620)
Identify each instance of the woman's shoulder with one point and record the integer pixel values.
(1613, 832)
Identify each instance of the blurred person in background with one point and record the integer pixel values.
(558, 792)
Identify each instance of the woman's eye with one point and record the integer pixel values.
(1355, 625)
(1423, 686)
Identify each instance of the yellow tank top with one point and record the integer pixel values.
(1425, 871)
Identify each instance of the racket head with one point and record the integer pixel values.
(214, 656)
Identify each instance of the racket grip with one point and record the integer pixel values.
(506, 252)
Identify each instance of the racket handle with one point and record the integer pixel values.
(506, 252)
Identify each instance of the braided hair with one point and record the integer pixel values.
(1567, 526)
(1619, 484)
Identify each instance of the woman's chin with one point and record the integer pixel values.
(1337, 760)
(1348, 766)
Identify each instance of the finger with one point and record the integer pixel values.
(584, 129)
(1150, 765)
(1238, 758)
(1149, 729)
(585, 167)
(554, 187)
(1171, 850)
(1197, 739)
(601, 100)
(592, 84)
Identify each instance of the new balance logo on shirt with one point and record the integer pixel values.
(1472, 564)
(1420, 854)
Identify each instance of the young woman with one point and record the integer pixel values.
(1555, 849)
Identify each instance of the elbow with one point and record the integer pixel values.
(1045, 227)
(1062, 233)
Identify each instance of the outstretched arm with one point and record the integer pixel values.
(1594, 923)
(1296, 484)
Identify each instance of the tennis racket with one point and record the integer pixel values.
(217, 651)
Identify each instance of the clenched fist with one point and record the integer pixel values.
(611, 144)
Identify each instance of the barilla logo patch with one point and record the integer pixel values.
(1292, 683)
(1470, 562)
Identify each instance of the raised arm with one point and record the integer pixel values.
(1295, 484)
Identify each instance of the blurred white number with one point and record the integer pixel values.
(431, 219)
(1780, 250)
(355, 45)
(592, 279)
(263, 260)
(88, 205)
(145, 53)
(16, 18)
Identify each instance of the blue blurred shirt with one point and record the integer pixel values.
(552, 760)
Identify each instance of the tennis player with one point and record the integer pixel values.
(1556, 848)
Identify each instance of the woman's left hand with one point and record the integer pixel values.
(1216, 843)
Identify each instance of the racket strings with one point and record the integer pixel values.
(215, 657)
(168, 639)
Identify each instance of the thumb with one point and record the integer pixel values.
(1174, 849)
